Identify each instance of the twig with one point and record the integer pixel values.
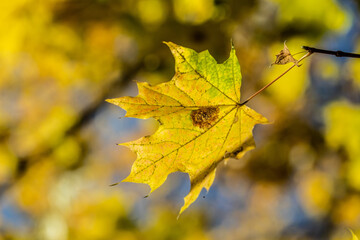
(335, 53)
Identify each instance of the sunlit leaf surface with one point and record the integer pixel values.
(201, 121)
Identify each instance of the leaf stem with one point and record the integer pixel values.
(270, 83)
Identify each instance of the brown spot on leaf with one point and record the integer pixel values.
(204, 117)
(234, 153)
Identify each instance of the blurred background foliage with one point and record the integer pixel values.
(59, 61)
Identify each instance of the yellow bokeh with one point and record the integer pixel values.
(68, 153)
(59, 61)
(321, 12)
(49, 132)
(8, 163)
(342, 120)
(354, 67)
(328, 69)
(194, 12)
(348, 211)
(94, 216)
(315, 192)
(151, 12)
(32, 191)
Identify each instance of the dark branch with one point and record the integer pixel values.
(329, 52)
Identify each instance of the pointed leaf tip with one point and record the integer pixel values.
(114, 101)
(109, 100)
(232, 44)
(171, 45)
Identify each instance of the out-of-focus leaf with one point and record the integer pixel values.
(315, 191)
(310, 12)
(342, 122)
(151, 12)
(194, 12)
(8, 163)
(348, 211)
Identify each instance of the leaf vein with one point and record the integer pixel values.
(193, 139)
(228, 132)
(233, 78)
(164, 95)
(205, 78)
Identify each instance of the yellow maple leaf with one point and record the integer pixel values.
(201, 121)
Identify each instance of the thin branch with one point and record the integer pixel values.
(268, 85)
(335, 53)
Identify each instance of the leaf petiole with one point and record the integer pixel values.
(270, 83)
